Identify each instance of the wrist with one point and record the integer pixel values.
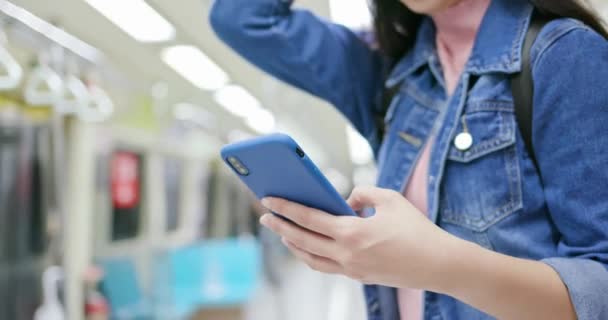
(454, 268)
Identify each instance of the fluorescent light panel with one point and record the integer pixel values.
(136, 18)
(354, 14)
(192, 64)
(241, 103)
(261, 121)
(237, 100)
(55, 34)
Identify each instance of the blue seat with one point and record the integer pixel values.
(121, 287)
(208, 274)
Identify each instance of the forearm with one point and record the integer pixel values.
(310, 53)
(503, 286)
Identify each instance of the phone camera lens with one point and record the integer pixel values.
(238, 166)
(300, 152)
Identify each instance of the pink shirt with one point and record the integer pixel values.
(456, 31)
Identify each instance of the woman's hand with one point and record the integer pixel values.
(398, 246)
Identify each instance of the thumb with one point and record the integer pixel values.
(370, 197)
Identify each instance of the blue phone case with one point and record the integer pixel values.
(277, 170)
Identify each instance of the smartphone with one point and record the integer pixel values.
(275, 166)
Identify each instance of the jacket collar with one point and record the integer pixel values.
(497, 48)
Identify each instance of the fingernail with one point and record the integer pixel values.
(265, 202)
(284, 241)
(264, 219)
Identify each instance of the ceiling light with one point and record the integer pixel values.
(237, 100)
(360, 151)
(136, 18)
(354, 14)
(194, 114)
(192, 64)
(261, 120)
(48, 30)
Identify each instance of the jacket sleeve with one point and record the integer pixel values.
(324, 59)
(570, 138)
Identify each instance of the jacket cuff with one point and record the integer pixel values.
(587, 283)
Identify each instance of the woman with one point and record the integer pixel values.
(503, 238)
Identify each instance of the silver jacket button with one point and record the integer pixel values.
(463, 141)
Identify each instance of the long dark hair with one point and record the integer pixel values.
(396, 26)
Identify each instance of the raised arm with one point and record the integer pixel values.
(322, 58)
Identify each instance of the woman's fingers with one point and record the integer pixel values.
(370, 197)
(305, 239)
(315, 262)
(306, 217)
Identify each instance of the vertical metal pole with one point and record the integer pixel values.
(78, 218)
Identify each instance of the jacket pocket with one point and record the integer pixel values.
(482, 185)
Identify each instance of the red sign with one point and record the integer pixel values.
(125, 180)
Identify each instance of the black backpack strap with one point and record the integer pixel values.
(522, 86)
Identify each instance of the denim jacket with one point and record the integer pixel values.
(491, 193)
